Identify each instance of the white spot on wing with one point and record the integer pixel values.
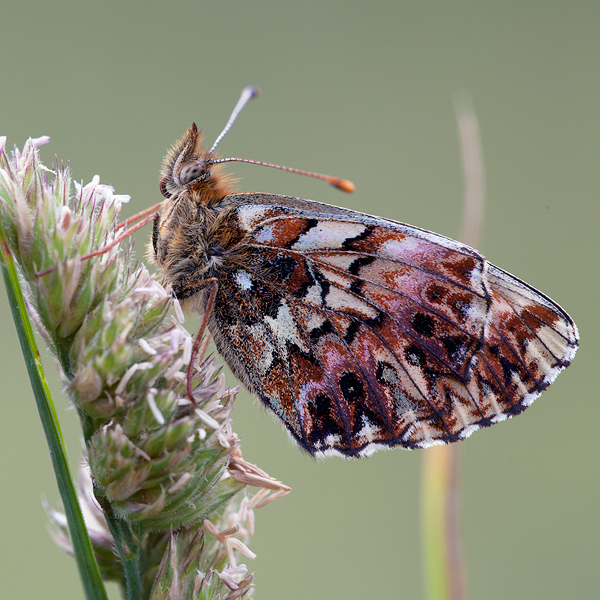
(250, 215)
(265, 234)
(467, 431)
(315, 321)
(397, 248)
(339, 260)
(244, 280)
(328, 234)
(285, 330)
(313, 295)
(369, 432)
(345, 301)
(477, 278)
(551, 341)
(335, 277)
(332, 440)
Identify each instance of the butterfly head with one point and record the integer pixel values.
(187, 168)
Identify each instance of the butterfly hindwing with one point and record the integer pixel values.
(360, 332)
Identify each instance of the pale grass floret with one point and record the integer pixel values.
(207, 419)
(178, 310)
(129, 374)
(153, 407)
(176, 487)
(230, 543)
(146, 347)
(227, 576)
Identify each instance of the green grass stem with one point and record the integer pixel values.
(82, 548)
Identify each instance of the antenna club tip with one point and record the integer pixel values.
(251, 91)
(344, 184)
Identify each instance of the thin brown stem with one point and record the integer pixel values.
(444, 563)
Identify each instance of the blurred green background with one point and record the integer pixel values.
(362, 90)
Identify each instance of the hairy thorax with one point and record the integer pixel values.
(195, 240)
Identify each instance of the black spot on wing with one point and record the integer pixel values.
(326, 420)
(415, 356)
(423, 324)
(377, 321)
(361, 261)
(325, 287)
(355, 395)
(312, 277)
(351, 332)
(264, 297)
(351, 387)
(323, 329)
(455, 347)
(356, 287)
(280, 267)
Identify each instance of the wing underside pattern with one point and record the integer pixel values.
(361, 333)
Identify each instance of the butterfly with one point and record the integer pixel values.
(358, 332)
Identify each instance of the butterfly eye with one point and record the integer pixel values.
(192, 171)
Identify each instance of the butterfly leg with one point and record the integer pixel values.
(138, 216)
(196, 350)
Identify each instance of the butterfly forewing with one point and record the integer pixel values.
(360, 332)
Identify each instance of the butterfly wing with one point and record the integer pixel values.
(361, 332)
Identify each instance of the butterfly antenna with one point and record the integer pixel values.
(342, 184)
(248, 93)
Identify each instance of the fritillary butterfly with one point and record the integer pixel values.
(358, 332)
